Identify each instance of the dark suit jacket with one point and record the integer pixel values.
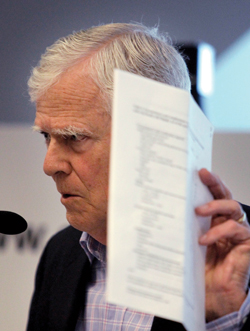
(61, 277)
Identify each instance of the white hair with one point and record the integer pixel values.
(131, 47)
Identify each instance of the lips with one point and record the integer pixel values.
(65, 196)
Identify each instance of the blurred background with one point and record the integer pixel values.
(27, 27)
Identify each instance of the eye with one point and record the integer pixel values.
(46, 137)
(78, 137)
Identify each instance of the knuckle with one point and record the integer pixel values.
(232, 225)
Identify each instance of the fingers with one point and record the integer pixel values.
(225, 213)
(229, 230)
(215, 185)
(228, 208)
(225, 216)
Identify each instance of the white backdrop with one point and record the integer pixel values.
(28, 192)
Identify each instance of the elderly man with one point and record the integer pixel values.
(72, 87)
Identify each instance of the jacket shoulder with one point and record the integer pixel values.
(62, 248)
(61, 277)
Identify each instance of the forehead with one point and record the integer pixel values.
(75, 98)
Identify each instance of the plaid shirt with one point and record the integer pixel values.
(102, 316)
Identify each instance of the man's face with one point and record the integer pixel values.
(76, 126)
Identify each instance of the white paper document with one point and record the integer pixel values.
(160, 139)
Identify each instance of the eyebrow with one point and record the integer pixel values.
(70, 130)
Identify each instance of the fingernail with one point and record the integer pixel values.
(204, 209)
(203, 239)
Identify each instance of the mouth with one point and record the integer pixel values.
(66, 196)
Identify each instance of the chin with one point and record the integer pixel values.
(94, 225)
(76, 221)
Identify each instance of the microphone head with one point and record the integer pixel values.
(12, 223)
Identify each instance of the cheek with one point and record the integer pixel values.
(94, 173)
(100, 174)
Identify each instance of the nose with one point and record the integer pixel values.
(56, 159)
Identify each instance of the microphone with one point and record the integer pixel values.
(11, 223)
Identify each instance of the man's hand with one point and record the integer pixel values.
(228, 250)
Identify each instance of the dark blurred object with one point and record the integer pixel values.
(200, 60)
(11, 223)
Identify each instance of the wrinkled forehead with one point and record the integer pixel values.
(72, 98)
(75, 84)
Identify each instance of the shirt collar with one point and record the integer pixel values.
(93, 248)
